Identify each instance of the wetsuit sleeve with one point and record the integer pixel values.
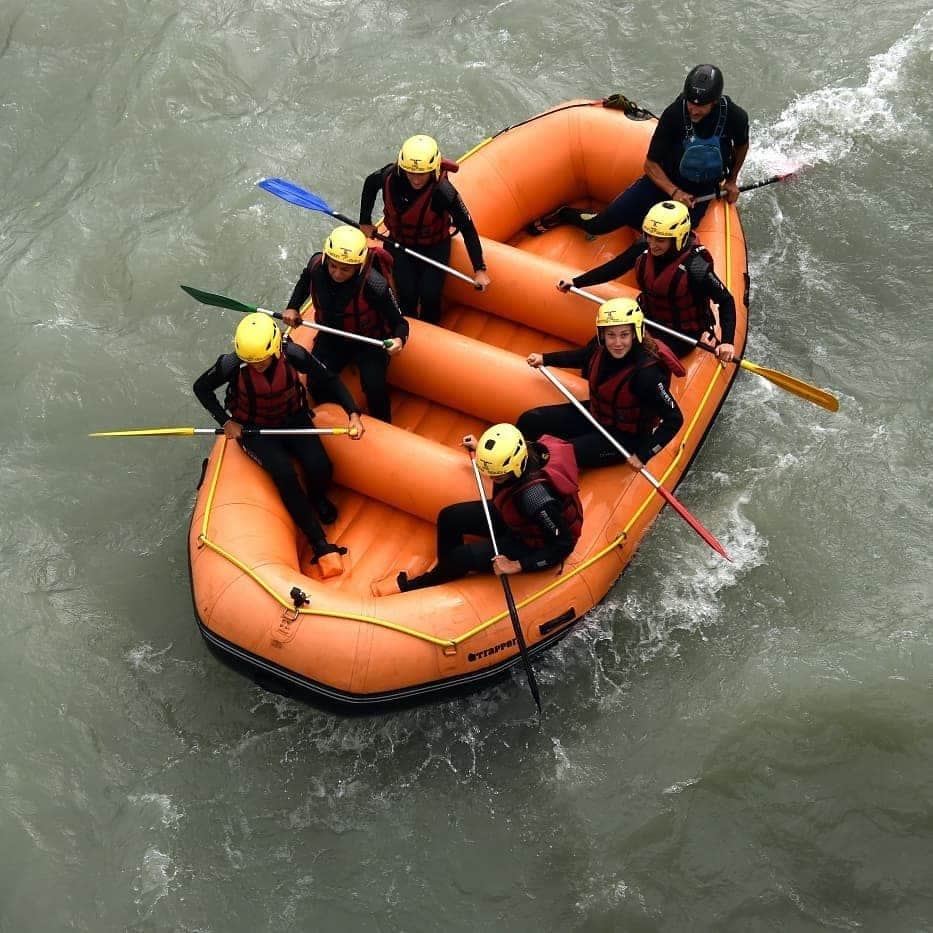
(614, 269)
(648, 387)
(207, 384)
(302, 288)
(571, 359)
(386, 305)
(371, 187)
(537, 504)
(707, 286)
(448, 198)
(323, 384)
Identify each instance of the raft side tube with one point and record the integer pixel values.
(468, 375)
(520, 175)
(419, 475)
(401, 469)
(530, 284)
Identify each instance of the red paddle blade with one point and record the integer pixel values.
(692, 522)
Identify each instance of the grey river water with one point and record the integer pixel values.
(728, 748)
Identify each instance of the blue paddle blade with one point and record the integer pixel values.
(294, 195)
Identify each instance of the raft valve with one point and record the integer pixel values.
(298, 597)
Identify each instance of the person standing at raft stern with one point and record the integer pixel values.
(629, 375)
(349, 293)
(675, 274)
(420, 205)
(698, 146)
(535, 510)
(264, 391)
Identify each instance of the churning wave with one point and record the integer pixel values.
(824, 125)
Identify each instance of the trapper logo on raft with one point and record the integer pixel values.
(479, 655)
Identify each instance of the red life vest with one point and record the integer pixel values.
(253, 399)
(561, 474)
(613, 403)
(358, 316)
(420, 224)
(666, 295)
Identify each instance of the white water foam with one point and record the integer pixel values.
(169, 815)
(605, 892)
(567, 772)
(153, 879)
(146, 657)
(690, 601)
(662, 605)
(826, 124)
(678, 787)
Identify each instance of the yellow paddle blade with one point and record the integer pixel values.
(147, 432)
(796, 386)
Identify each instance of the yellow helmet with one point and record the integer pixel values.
(420, 154)
(257, 338)
(502, 450)
(619, 311)
(346, 244)
(668, 219)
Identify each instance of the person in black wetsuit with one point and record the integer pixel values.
(420, 205)
(350, 294)
(698, 146)
(629, 376)
(675, 274)
(536, 512)
(264, 391)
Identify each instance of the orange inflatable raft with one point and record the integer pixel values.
(345, 645)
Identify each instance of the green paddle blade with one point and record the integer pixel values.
(218, 301)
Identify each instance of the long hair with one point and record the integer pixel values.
(650, 346)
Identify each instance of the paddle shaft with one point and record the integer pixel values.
(507, 589)
(589, 296)
(189, 432)
(387, 239)
(222, 301)
(668, 496)
(789, 383)
(294, 194)
(720, 193)
(360, 338)
(288, 431)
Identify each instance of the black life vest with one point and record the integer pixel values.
(559, 471)
(358, 315)
(667, 297)
(252, 399)
(420, 224)
(613, 403)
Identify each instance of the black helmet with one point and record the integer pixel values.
(703, 85)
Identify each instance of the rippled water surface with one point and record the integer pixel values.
(741, 747)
